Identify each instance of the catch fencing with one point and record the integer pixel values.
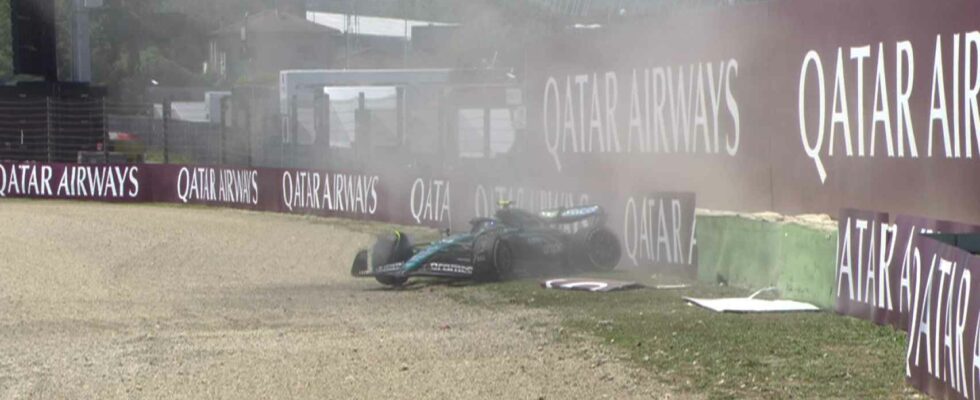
(50, 129)
(96, 130)
(152, 132)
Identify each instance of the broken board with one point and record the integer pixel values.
(589, 285)
(752, 305)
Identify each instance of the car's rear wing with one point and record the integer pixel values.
(574, 215)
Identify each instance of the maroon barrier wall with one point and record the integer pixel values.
(942, 355)
(336, 194)
(880, 267)
(657, 229)
(889, 272)
(330, 194)
(793, 106)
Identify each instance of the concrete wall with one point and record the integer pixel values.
(755, 253)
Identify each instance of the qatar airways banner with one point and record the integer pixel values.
(943, 348)
(208, 185)
(332, 194)
(123, 183)
(880, 265)
(892, 271)
(793, 106)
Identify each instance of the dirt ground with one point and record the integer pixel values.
(119, 301)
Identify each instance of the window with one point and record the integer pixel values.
(485, 133)
(502, 132)
(380, 106)
(470, 128)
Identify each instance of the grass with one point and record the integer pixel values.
(726, 356)
(156, 157)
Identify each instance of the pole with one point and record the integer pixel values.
(292, 132)
(81, 43)
(48, 128)
(224, 127)
(406, 42)
(248, 133)
(149, 111)
(105, 134)
(347, 36)
(400, 115)
(166, 129)
(487, 152)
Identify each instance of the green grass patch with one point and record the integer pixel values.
(726, 356)
(156, 157)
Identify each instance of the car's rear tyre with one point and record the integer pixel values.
(599, 248)
(503, 260)
(493, 259)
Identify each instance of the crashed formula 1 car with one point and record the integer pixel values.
(512, 242)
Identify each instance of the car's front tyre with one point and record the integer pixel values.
(390, 280)
(389, 249)
(360, 265)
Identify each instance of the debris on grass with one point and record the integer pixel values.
(815, 355)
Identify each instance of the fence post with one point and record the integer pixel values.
(105, 133)
(248, 133)
(292, 130)
(487, 152)
(48, 127)
(363, 135)
(224, 128)
(166, 129)
(150, 111)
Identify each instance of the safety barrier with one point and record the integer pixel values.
(657, 229)
(754, 251)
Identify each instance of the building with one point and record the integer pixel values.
(371, 42)
(258, 47)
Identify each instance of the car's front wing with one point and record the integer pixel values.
(431, 269)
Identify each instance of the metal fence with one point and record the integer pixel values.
(99, 131)
(51, 130)
(407, 127)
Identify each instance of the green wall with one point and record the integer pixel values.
(755, 253)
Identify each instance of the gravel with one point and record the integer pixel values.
(109, 301)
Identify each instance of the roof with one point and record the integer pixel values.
(370, 26)
(273, 21)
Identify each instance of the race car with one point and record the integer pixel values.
(514, 241)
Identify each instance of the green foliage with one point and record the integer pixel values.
(214, 13)
(156, 157)
(6, 50)
(134, 41)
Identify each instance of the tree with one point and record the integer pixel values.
(6, 44)
(136, 41)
